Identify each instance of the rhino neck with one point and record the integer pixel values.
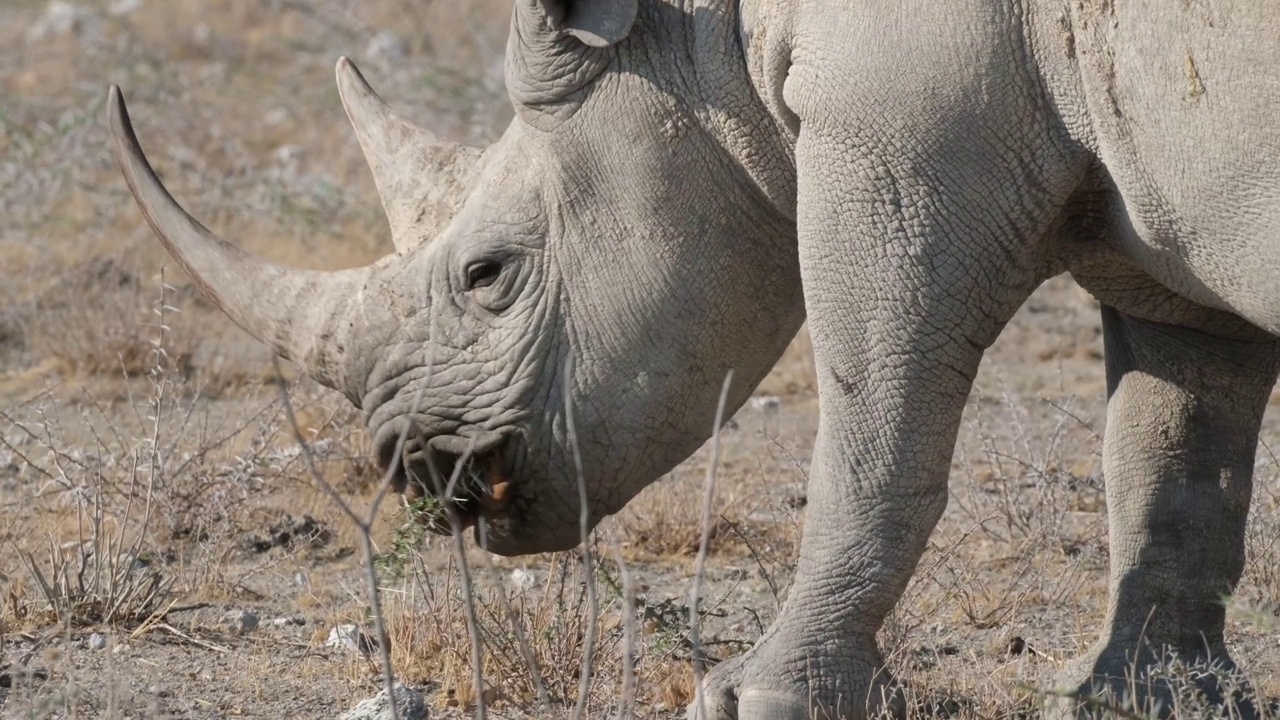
(738, 76)
(740, 73)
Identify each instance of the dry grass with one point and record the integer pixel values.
(147, 463)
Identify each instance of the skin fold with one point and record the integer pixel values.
(684, 182)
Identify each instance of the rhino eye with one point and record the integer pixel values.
(482, 274)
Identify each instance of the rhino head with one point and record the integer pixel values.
(622, 226)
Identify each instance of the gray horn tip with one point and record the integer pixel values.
(117, 113)
(128, 150)
(352, 86)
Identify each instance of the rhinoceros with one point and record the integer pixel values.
(685, 182)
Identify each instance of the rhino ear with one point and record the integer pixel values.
(596, 23)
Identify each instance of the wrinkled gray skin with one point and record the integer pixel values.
(675, 175)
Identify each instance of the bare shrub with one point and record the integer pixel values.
(106, 323)
(100, 579)
(1023, 485)
(547, 610)
(133, 501)
(105, 575)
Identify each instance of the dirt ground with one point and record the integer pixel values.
(153, 488)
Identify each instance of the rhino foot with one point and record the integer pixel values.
(1172, 685)
(770, 683)
(720, 691)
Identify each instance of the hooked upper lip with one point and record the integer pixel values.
(469, 474)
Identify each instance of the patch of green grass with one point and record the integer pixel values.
(408, 537)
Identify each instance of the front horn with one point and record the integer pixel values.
(310, 317)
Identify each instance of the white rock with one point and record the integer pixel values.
(352, 638)
(386, 45)
(97, 641)
(522, 579)
(124, 7)
(240, 621)
(286, 621)
(279, 116)
(64, 18)
(410, 705)
(287, 154)
(766, 403)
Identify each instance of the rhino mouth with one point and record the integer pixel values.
(452, 481)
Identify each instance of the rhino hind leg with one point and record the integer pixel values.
(1183, 414)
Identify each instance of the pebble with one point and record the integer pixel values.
(410, 705)
(386, 46)
(124, 7)
(240, 621)
(766, 403)
(352, 638)
(64, 18)
(522, 579)
(97, 641)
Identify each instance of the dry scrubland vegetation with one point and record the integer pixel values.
(151, 480)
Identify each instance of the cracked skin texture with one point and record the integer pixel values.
(685, 181)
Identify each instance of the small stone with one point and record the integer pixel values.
(97, 641)
(386, 46)
(1018, 646)
(286, 155)
(286, 621)
(769, 406)
(352, 638)
(522, 579)
(410, 705)
(276, 117)
(766, 403)
(948, 708)
(240, 621)
(64, 18)
(289, 531)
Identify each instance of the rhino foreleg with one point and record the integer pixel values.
(902, 304)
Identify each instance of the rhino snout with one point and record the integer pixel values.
(471, 475)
